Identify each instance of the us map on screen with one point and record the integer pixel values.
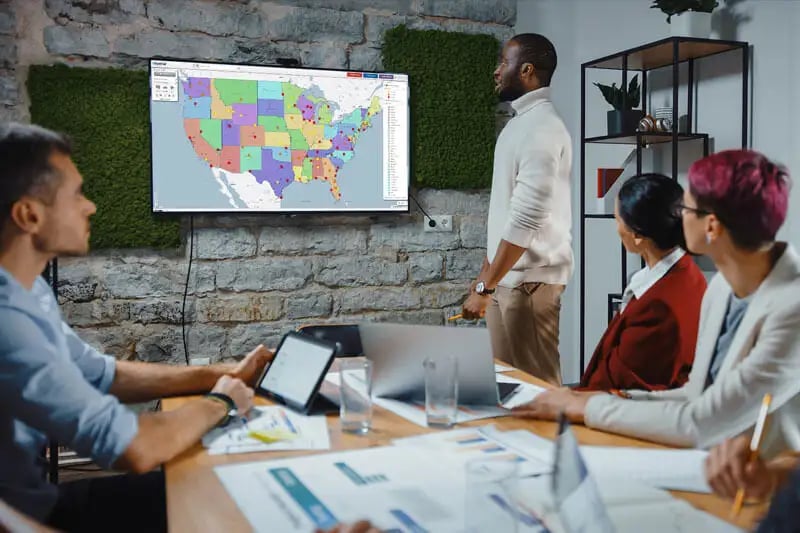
(250, 138)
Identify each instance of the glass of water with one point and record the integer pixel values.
(491, 491)
(441, 390)
(355, 395)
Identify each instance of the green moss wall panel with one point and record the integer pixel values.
(453, 104)
(106, 113)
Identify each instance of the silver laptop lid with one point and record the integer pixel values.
(398, 350)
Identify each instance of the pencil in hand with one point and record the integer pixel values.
(454, 317)
(755, 444)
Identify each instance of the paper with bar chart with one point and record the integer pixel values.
(420, 485)
(395, 487)
(463, 445)
(269, 428)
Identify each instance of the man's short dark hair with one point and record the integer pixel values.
(537, 50)
(25, 168)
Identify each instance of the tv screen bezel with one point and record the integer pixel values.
(293, 212)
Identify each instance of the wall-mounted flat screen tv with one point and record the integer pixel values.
(249, 138)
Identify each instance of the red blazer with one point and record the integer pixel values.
(650, 346)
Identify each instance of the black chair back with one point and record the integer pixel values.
(345, 334)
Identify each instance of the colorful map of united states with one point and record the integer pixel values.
(277, 131)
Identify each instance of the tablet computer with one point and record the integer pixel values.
(297, 370)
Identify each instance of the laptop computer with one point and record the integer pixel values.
(397, 352)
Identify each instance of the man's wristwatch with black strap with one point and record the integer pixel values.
(481, 289)
(224, 399)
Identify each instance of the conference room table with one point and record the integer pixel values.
(197, 501)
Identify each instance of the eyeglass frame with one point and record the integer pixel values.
(696, 210)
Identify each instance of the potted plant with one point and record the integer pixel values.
(692, 17)
(623, 119)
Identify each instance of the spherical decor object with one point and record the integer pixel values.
(663, 124)
(648, 123)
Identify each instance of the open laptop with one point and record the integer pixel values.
(397, 352)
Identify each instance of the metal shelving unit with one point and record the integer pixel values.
(665, 53)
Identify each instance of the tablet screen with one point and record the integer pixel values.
(296, 369)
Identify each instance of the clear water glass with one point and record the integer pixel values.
(355, 395)
(441, 391)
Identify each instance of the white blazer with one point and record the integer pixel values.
(764, 357)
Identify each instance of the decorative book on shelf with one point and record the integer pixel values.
(606, 178)
(611, 180)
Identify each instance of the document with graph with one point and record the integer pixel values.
(463, 445)
(395, 487)
(269, 428)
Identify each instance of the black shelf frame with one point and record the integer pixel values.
(644, 138)
(51, 276)
(670, 52)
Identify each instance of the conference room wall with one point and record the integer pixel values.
(586, 29)
(254, 277)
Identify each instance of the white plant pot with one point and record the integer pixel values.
(691, 24)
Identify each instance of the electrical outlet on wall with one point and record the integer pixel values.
(442, 223)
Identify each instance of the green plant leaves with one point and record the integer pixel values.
(616, 95)
(676, 7)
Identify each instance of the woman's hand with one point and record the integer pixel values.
(728, 468)
(551, 403)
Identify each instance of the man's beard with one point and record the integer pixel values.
(511, 91)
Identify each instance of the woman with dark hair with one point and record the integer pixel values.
(649, 344)
(749, 334)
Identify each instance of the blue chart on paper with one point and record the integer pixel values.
(358, 479)
(308, 502)
(407, 521)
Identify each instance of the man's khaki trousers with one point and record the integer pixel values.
(523, 326)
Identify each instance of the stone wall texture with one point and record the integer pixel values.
(253, 278)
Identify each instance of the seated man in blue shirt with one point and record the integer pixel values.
(55, 386)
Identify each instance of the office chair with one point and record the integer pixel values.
(345, 334)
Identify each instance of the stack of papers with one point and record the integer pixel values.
(394, 487)
(661, 468)
(665, 469)
(398, 488)
(269, 428)
(631, 506)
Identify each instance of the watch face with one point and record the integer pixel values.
(480, 287)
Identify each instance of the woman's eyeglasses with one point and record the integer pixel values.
(681, 208)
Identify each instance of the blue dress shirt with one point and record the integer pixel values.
(52, 385)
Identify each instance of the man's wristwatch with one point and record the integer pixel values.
(227, 401)
(481, 289)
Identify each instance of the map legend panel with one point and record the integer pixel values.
(164, 85)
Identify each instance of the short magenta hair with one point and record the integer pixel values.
(747, 192)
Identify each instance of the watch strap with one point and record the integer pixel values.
(486, 291)
(227, 401)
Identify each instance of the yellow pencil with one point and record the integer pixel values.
(755, 443)
(454, 317)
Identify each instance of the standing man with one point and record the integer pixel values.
(529, 252)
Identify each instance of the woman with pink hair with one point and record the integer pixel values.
(749, 334)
